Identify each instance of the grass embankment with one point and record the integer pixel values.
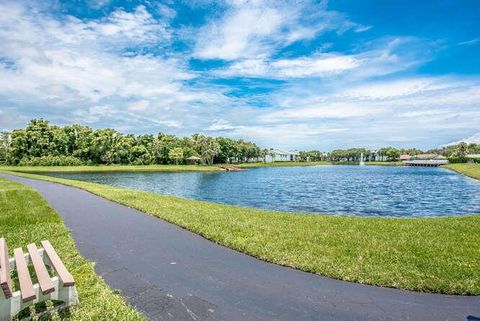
(385, 163)
(431, 254)
(471, 170)
(282, 164)
(110, 168)
(25, 217)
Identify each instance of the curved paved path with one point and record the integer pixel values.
(169, 273)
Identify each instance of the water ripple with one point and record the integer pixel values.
(337, 190)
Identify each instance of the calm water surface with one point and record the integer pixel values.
(339, 190)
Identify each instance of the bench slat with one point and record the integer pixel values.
(5, 278)
(26, 285)
(58, 266)
(46, 284)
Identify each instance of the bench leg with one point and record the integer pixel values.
(12, 306)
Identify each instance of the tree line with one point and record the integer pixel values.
(455, 153)
(43, 144)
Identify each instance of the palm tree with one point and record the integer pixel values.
(5, 141)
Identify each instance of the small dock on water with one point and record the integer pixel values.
(424, 160)
(426, 163)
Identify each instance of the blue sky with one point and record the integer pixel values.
(286, 74)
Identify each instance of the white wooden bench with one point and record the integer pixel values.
(59, 288)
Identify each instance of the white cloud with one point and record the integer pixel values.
(318, 65)
(68, 65)
(140, 105)
(255, 29)
(378, 59)
(309, 112)
(321, 64)
(166, 11)
(363, 28)
(98, 3)
(242, 33)
(397, 88)
(138, 26)
(470, 42)
(220, 125)
(424, 113)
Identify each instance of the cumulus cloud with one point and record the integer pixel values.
(255, 29)
(381, 58)
(413, 111)
(70, 65)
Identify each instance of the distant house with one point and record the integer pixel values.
(375, 156)
(473, 155)
(426, 160)
(472, 158)
(278, 155)
(405, 157)
(428, 156)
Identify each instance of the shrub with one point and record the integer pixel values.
(456, 160)
(51, 161)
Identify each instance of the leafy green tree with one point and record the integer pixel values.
(228, 148)
(176, 154)
(392, 154)
(208, 148)
(412, 151)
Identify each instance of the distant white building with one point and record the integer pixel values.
(278, 155)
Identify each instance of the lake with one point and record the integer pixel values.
(339, 190)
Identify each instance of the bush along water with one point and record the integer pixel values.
(51, 161)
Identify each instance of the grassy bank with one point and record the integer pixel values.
(282, 164)
(25, 217)
(110, 168)
(385, 163)
(471, 170)
(431, 254)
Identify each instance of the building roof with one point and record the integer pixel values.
(279, 151)
(428, 156)
(405, 157)
(193, 158)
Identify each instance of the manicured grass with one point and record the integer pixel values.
(423, 254)
(281, 164)
(472, 170)
(25, 217)
(110, 168)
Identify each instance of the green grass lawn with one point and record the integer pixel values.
(281, 164)
(423, 254)
(385, 163)
(25, 217)
(472, 170)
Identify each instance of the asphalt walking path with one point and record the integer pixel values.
(169, 273)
